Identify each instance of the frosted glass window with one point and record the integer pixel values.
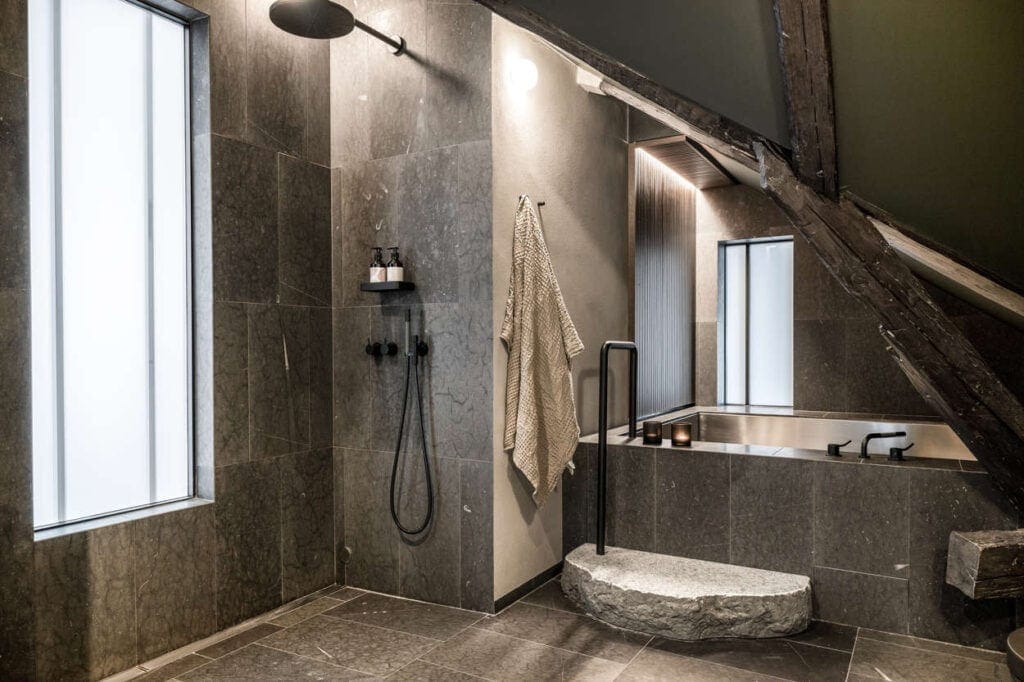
(735, 356)
(111, 318)
(757, 314)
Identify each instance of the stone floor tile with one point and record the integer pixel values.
(373, 650)
(568, 631)
(415, 618)
(263, 664)
(499, 657)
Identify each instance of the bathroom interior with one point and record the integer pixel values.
(304, 401)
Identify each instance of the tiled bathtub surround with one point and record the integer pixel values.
(412, 168)
(871, 535)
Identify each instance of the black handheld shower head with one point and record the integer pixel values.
(323, 20)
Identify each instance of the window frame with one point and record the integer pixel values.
(721, 363)
(53, 121)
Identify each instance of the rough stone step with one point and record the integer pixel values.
(686, 599)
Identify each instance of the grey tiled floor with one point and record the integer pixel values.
(347, 634)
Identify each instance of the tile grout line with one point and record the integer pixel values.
(421, 658)
(760, 675)
(635, 656)
(929, 651)
(547, 646)
(816, 646)
(849, 666)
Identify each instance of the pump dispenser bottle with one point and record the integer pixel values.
(396, 272)
(378, 273)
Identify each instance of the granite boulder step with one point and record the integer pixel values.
(685, 599)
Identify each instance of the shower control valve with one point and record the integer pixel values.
(374, 348)
(390, 347)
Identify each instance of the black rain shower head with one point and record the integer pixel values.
(324, 19)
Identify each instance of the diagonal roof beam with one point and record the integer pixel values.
(806, 57)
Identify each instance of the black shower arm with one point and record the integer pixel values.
(397, 42)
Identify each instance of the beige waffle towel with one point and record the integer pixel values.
(540, 416)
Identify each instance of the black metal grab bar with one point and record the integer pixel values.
(602, 426)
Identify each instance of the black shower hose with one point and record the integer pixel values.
(412, 367)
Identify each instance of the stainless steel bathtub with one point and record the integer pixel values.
(931, 438)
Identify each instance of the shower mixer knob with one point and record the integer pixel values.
(391, 346)
(374, 349)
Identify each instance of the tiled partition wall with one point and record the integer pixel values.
(115, 595)
(16, 625)
(871, 535)
(412, 168)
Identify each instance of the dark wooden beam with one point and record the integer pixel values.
(943, 366)
(734, 139)
(807, 81)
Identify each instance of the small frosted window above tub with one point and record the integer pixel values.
(109, 207)
(756, 322)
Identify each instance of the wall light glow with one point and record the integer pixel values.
(521, 74)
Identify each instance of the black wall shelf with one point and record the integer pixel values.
(387, 286)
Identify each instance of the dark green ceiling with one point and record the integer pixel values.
(930, 119)
(929, 98)
(721, 54)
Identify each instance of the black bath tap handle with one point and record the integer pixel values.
(373, 348)
(833, 448)
(896, 454)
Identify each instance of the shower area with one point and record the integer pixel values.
(349, 509)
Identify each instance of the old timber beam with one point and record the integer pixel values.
(806, 57)
(943, 366)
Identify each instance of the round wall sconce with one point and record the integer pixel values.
(521, 74)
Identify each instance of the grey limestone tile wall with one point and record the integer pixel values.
(16, 599)
(840, 362)
(412, 168)
(115, 595)
(872, 537)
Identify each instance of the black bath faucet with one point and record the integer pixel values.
(871, 436)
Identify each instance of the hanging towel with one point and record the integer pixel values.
(541, 428)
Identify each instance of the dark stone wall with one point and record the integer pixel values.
(412, 168)
(840, 362)
(871, 535)
(109, 596)
(16, 640)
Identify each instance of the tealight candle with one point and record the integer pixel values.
(681, 434)
(652, 433)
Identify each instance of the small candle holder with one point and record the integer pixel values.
(682, 435)
(652, 433)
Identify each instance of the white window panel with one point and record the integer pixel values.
(757, 327)
(771, 323)
(735, 355)
(109, 160)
